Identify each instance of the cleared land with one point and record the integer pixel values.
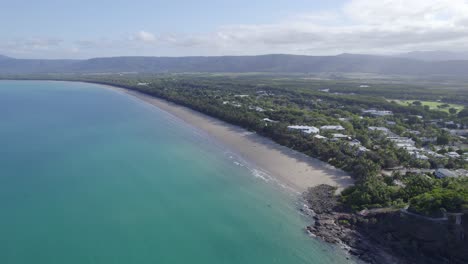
(441, 106)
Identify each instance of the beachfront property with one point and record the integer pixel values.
(402, 142)
(428, 139)
(462, 172)
(336, 128)
(362, 149)
(444, 173)
(420, 156)
(382, 129)
(305, 129)
(256, 108)
(414, 132)
(453, 155)
(320, 137)
(235, 104)
(377, 112)
(338, 136)
(435, 154)
(459, 132)
(357, 143)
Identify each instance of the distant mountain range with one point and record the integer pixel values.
(435, 55)
(344, 63)
(4, 57)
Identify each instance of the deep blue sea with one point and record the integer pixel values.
(90, 175)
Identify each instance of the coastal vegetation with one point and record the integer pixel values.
(391, 149)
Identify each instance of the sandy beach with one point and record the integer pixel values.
(291, 168)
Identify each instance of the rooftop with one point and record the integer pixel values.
(337, 127)
(305, 129)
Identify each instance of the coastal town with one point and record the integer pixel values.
(437, 147)
(428, 148)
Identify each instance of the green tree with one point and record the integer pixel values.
(463, 113)
(443, 139)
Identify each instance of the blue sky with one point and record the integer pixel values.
(83, 29)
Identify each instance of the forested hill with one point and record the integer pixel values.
(345, 63)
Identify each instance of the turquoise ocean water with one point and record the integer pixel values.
(90, 175)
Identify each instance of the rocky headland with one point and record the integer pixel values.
(387, 235)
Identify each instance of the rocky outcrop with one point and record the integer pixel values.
(390, 235)
(338, 228)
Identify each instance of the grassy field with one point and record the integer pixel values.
(433, 105)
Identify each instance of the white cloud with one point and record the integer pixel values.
(145, 36)
(32, 45)
(359, 26)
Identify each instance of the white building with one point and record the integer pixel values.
(336, 128)
(414, 132)
(443, 173)
(341, 136)
(428, 139)
(305, 129)
(320, 137)
(383, 129)
(420, 156)
(269, 120)
(378, 112)
(256, 108)
(453, 155)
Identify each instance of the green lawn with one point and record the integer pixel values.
(432, 105)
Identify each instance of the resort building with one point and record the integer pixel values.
(305, 129)
(256, 108)
(336, 128)
(444, 173)
(320, 137)
(414, 132)
(382, 129)
(341, 136)
(378, 112)
(420, 156)
(453, 155)
(428, 139)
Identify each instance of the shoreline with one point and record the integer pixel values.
(289, 167)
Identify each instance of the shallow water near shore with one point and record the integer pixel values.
(90, 175)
